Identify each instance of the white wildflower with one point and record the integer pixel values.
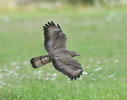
(93, 79)
(6, 69)
(91, 85)
(117, 95)
(98, 69)
(13, 70)
(115, 78)
(48, 74)
(80, 78)
(47, 78)
(110, 16)
(27, 76)
(17, 67)
(38, 72)
(105, 60)
(13, 63)
(1, 86)
(90, 60)
(7, 19)
(67, 78)
(25, 62)
(111, 76)
(104, 78)
(1, 75)
(9, 73)
(16, 74)
(116, 61)
(54, 74)
(84, 73)
(98, 62)
(39, 77)
(53, 78)
(8, 84)
(2, 83)
(68, 81)
(88, 66)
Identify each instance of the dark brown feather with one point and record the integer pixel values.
(67, 65)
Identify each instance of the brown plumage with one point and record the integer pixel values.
(62, 59)
(40, 61)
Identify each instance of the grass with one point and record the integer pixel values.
(98, 35)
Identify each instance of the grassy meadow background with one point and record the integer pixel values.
(99, 35)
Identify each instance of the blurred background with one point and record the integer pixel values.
(96, 29)
(49, 4)
(28, 16)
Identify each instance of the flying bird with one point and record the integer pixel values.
(61, 58)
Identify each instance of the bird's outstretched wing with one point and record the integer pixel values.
(68, 66)
(54, 37)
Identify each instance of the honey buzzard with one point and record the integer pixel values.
(61, 58)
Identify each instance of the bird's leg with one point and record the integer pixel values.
(72, 53)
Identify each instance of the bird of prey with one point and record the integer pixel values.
(61, 58)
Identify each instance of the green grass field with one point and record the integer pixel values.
(100, 36)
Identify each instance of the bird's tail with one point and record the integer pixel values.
(40, 61)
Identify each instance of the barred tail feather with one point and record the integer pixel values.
(40, 61)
